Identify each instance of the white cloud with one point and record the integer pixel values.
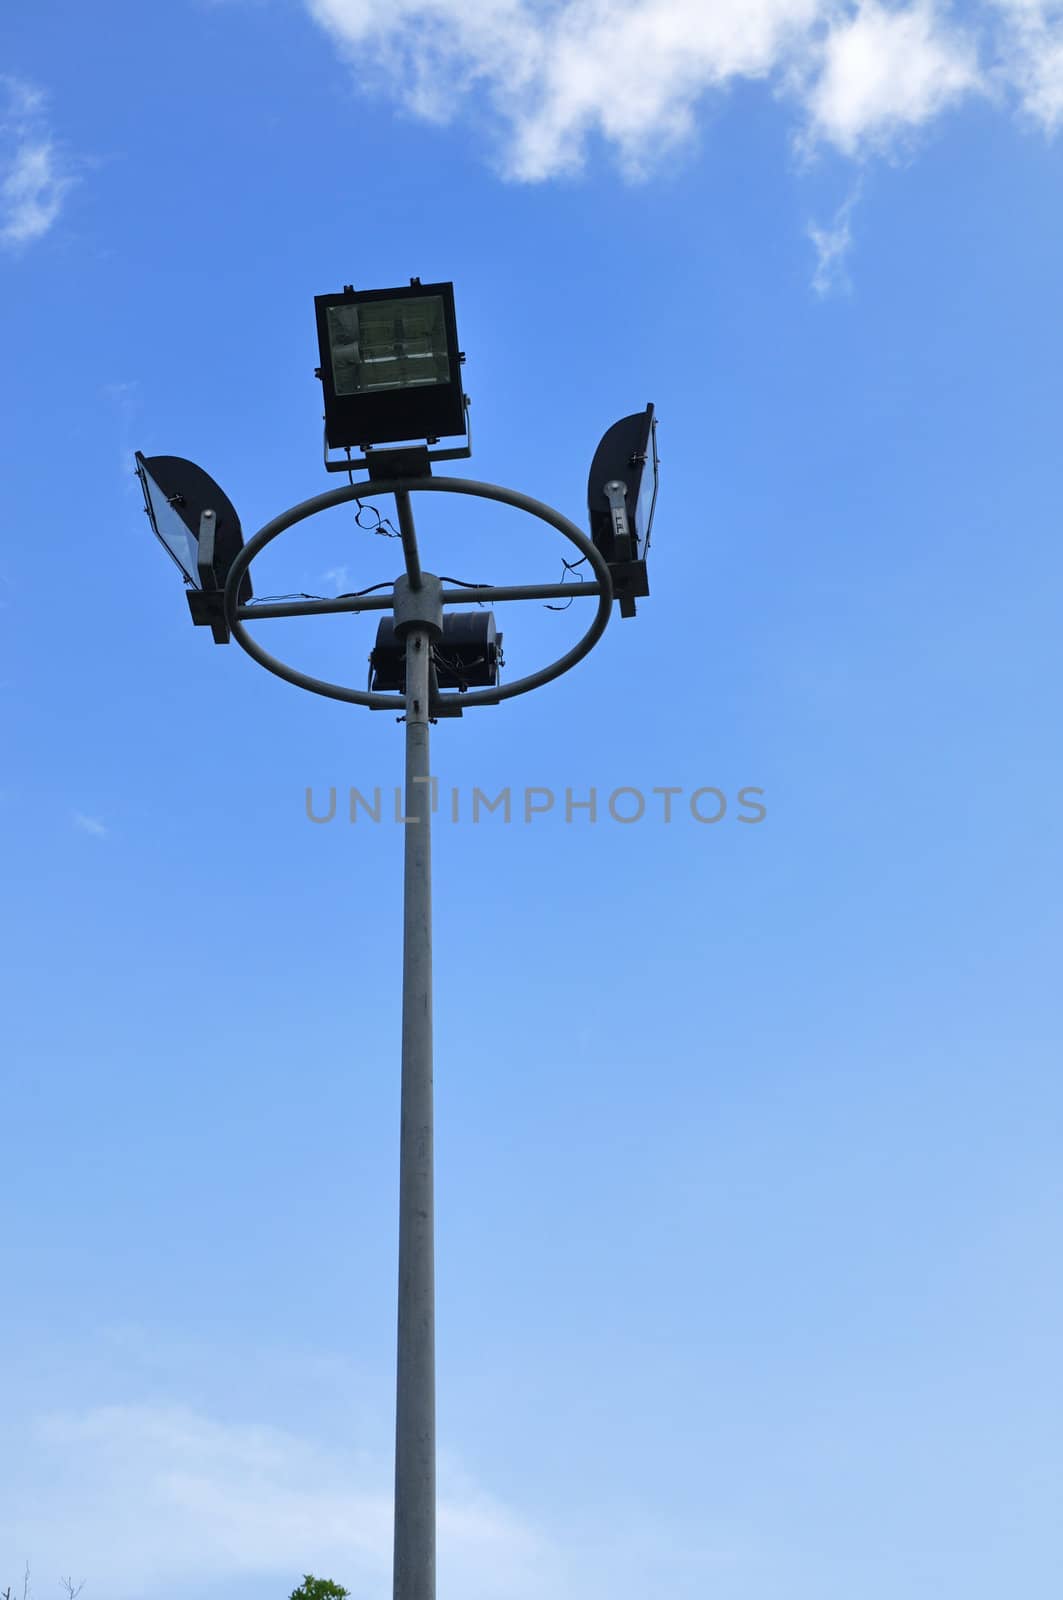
(33, 176)
(145, 1497)
(31, 195)
(551, 75)
(90, 825)
(338, 579)
(886, 71)
(634, 71)
(124, 399)
(24, 100)
(1032, 56)
(629, 70)
(832, 245)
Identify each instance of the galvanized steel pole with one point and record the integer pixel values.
(415, 1420)
(417, 601)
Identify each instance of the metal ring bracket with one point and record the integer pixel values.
(236, 615)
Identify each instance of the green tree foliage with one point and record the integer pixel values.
(313, 1588)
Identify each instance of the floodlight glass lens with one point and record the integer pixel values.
(388, 344)
(180, 542)
(647, 494)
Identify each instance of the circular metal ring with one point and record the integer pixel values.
(361, 491)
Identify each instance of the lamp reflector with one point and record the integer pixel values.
(388, 344)
(176, 494)
(621, 497)
(627, 454)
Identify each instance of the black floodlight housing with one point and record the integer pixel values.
(467, 656)
(195, 522)
(390, 367)
(621, 496)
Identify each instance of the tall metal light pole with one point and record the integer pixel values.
(429, 662)
(415, 1382)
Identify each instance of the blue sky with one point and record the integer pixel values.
(748, 1136)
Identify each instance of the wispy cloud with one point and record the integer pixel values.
(832, 245)
(546, 83)
(34, 175)
(860, 74)
(338, 579)
(145, 1497)
(124, 398)
(634, 71)
(89, 825)
(1032, 57)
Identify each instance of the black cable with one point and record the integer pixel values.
(459, 670)
(350, 594)
(462, 583)
(383, 525)
(569, 566)
(356, 594)
(455, 664)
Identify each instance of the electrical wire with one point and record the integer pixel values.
(463, 583)
(460, 670)
(455, 664)
(569, 566)
(356, 594)
(349, 594)
(383, 525)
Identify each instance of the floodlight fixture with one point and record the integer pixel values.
(621, 497)
(390, 367)
(196, 523)
(467, 654)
